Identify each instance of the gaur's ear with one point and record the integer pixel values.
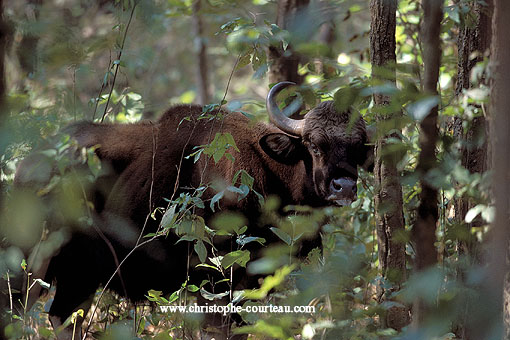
(282, 148)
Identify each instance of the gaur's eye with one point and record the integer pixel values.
(315, 149)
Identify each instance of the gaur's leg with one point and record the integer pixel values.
(77, 271)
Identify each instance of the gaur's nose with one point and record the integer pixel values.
(343, 187)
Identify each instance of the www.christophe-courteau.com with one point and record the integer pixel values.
(230, 309)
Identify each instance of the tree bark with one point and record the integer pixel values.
(4, 33)
(500, 138)
(472, 39)
(424, 229)
(283, 64)
(202, 73)
(388, 196)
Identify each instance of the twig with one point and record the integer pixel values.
(103, 85)
(10, 294)
(110, 280)
(118, 61)
(176, 186)
(219, 111)
(154, 147)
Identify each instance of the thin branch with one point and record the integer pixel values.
(103, 85)
(118, 61)
(154, 147)
(219, 111)
(111, 278)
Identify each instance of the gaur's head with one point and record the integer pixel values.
(332, 144)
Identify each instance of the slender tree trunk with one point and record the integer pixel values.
(388, 197)
(202, 77)
(284, 63)
(424, 230)
(500, 133)
(474, 37)
(4, 33)
(474, 152)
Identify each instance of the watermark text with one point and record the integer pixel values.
(231, 309)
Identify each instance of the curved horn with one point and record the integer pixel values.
(286, 124)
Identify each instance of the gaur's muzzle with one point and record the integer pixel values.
(342, 191)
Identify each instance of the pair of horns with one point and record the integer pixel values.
(277, 117)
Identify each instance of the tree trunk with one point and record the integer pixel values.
(4, 32)
(388, 197)
(424, 229)
(202, 78)
(284, 63)
(474, 153)
(500, 110)
(474, 37)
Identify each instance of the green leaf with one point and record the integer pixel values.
(44, 332)
(242, 191)
(234, 105)
(218, 154)
(43, 283)
(201, 250)
(420, 109)
(169, 217)
(345, 97)
(246, 179)
(216, 261)
(243, 240)
(229, 222)
(244, 60)
(265, 330)
(241, 257)
(205, 265)
(93, 162)
(211, 297)
(473, 212)
(230, 140)
(198, 202)
(198, 227)
(230, 157)
(269, 283)
(192, 288)
(216, 198)
(282, 235)
(156, 296)
(163, 336)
